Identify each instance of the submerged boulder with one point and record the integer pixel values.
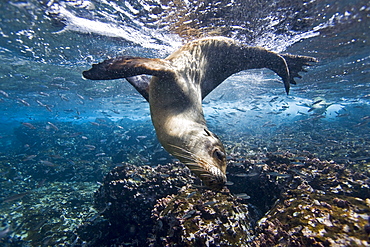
(201, 218)
(326, 204)
(127, 196)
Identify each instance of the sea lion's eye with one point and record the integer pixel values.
(219, 154)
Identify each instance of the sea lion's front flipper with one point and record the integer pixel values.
(130, 68)
(141, 84)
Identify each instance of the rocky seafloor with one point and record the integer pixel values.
(276, 200)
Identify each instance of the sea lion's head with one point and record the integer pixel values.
(205, 156)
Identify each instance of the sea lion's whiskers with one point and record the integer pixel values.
(190, 154)
(197, 164)
(192, 160)
(186, 155)
(181, 149)
(195, 168)
(206, 175)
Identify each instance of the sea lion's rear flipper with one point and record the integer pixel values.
(227, 57)
(130, 68)
(296, 63)
(286, 66)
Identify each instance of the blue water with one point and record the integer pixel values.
(48, 112)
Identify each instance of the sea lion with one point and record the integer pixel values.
(178, 85)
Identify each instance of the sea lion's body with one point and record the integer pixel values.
(178, 85)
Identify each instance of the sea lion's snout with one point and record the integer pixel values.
(214, 175)
(210, 173)
(215, 179)
(205, 157)
(211, 161)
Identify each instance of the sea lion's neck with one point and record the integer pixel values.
(175, 105)
(176, 111)
(175, 130)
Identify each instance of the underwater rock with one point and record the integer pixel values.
(326, 204)
(304, 218)
(130, 195)
(201, 218)
(274, 199)
(127, 196)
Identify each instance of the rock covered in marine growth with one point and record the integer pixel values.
(201, 218)
(159, 205)
(128, 195)
(325, 204)
(292, 201)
